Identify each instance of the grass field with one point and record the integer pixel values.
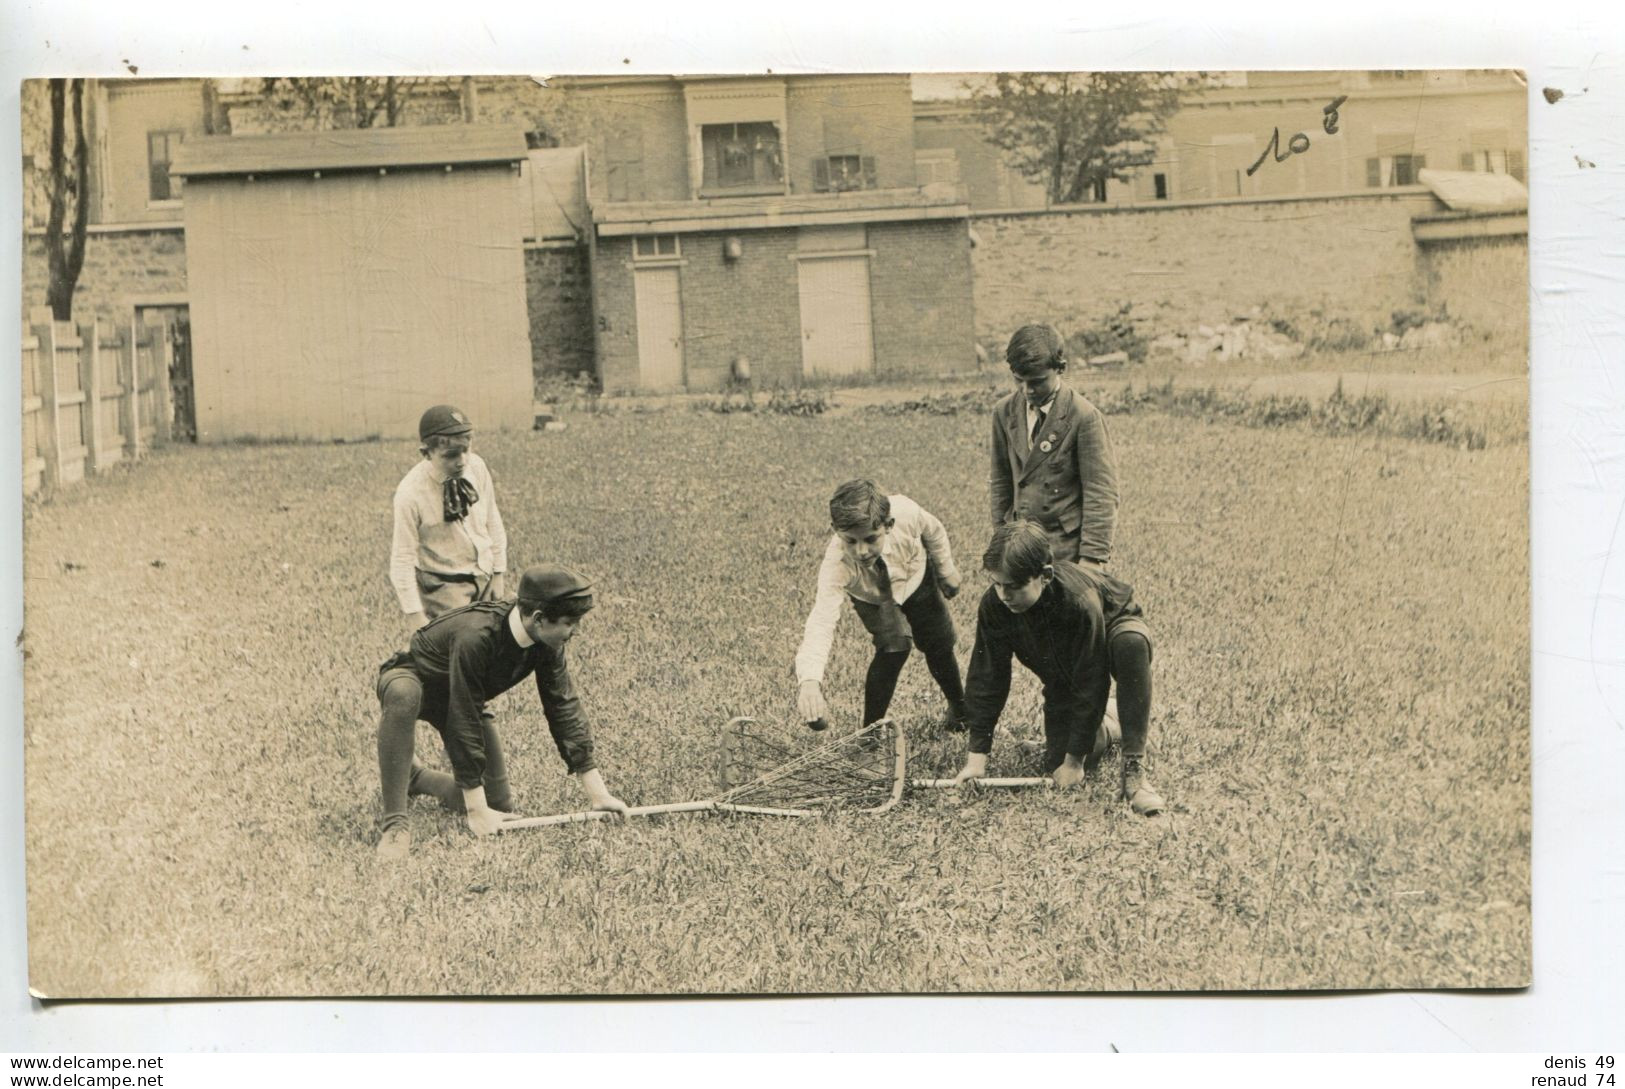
(1341, 723)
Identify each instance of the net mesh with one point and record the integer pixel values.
(862, 770)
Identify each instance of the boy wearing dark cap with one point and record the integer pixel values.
(459, 661)
(449, 547)
(1077, 628)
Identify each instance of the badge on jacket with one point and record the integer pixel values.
(1048, 444)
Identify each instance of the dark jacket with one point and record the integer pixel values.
(1062, 639)
(1069, 489)
(469, 656)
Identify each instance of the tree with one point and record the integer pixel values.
(70, 194)
(348, 102)
(1071, 132)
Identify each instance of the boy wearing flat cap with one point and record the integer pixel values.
(455, 664)
(449, 547)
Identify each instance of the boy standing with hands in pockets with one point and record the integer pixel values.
(1052, 459)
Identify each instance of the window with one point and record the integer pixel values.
(649, 247)
(1387, 171)
(936, 165)
(1491, 155)
(1160, 184)
(160, 153)
(1097, 190)
(623, 165)
(1392, 75)
(840, 173)
(742, 156)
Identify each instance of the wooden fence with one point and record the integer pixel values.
(93, 396)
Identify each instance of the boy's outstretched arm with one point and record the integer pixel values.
(818, 635)
(598, 795)
(987, 687)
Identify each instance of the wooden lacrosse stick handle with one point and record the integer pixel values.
(947, 784)
(604, 815)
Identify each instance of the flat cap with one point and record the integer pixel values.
(443, 420)
(548, 583)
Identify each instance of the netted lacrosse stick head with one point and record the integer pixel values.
(747, 750)
(863, 771)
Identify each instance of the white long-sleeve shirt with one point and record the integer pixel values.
(915, 536)
(477, 544)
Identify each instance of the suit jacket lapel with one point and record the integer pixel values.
(1015, 430)
(1055, 425)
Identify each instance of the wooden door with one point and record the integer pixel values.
(836, 334)
(660, 328)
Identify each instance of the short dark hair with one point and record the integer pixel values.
(1035, 349)
(859, 505)
(558, 610)
(1019, 549)
(440, 442)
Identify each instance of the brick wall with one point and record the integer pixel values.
(118, 266)
(1482, 283)
(922, 297)
(1350, 257)
(558, 293)
(919, 283)
(852, 115)
(747, 307)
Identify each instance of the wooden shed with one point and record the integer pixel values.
(342, 282)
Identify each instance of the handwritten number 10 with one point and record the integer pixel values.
(1299, 142)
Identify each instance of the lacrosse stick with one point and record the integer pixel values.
(747, 747)
(1111, 733)
(862, 771)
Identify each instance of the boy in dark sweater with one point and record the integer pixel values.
(459, 661)
(1076, 628)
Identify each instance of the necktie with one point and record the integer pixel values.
(1038, 425)
(884, 575)
(457, 495)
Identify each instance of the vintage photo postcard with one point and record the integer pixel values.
(776, 534)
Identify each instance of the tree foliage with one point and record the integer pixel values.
(69, 195)
(303, 103)
(1073, 131)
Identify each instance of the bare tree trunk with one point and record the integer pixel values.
(64, 264)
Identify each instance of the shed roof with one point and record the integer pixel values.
(1476, 191)
(349, 149)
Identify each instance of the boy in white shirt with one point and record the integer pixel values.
(449, 547)
(891, 558)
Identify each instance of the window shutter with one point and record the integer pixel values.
(1467, 160)
(821, 174)
(870, 178)
(1373, 173)
(1515, 164)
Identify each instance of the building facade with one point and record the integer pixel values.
(1237, 138)
(772, 228)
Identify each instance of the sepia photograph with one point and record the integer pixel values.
(776, 533)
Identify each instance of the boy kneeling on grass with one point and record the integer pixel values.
(1077, 628)
(891, 558)
(454, 665)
